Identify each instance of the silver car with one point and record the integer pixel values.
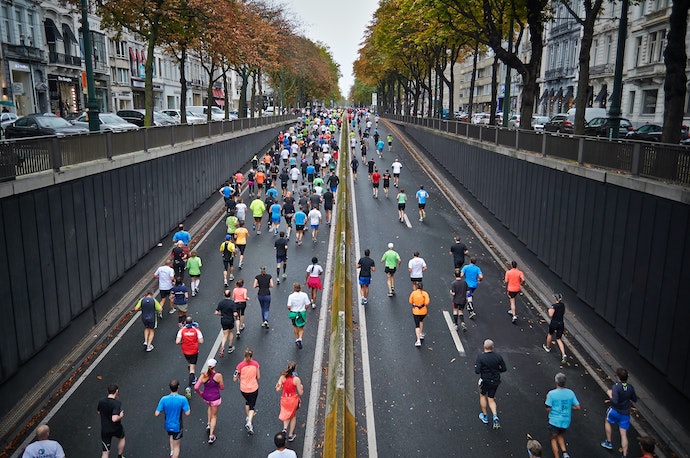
(110, 122)
(191, 117)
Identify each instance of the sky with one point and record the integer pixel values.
(338, 24)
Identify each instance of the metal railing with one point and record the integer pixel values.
(659, 161)
(31, 155)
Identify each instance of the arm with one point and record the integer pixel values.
(157, 305)
(577, 407)
(256, 283)
(279, 383)
(298, 385)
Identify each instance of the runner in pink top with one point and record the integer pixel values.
(247, 372)
(240, 296)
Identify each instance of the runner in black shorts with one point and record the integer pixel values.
(110, 410)
(386, 182)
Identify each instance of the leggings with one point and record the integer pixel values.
(265, 302)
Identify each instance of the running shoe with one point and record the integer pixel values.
(472, 315)
(299, 344)
(566, 455)
(564, 360)
(149, 348)
(232, 277)
(484, 418)
(418, 343)
(464, 327)
(456, 327)
(607, 445)
(278, 281)
(292, 437)
(242, 327)
(264, 324)
(238, 335)
(421, 219)
(258, 232)
(390, 294)
(546, 349)
(188, 393)
(146, 344)
(211, 439)
(313, 305)
(250, 429)
(208, 427)
(231, 348)
(284, 275)
(514, 320)
(171, 311)
(422, 336)
(253, 227)
(364, 301)
(496, 423)
(225, 284)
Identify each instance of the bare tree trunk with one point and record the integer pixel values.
(183, 87)
(675, 84)
(473, 80)
(494, 92)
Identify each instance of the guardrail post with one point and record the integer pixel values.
(517, 138)
(496, 135)
(636, 159)
(481, 132)
(543, 144)
(109, 145)
(146, 139)
(55, 155)
(581, 151)
(172, 135)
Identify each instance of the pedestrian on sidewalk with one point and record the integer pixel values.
(556, 327)
(560, 402)
(292, 389)
(458, 291)
(111, 413)
(391, 260)
(43, 447)
(473, 276)
(213, 384)
(297, 303)
(514, 279)
(150, 310)
(172, 406)
(179, 295)
(227, 310)
(281, 450)
(621, 394)
(227, 250)
(248, 373)
(420, 301)
(194, 268)
(366, 266)
(313, 279)
(489, 366)
(458, 250)
(189, 338)
(165, 276)
(264, 283)
(422, 196)
(281, 247)
(416, 267)
(402, 201)
(240, 295)
(241, 236)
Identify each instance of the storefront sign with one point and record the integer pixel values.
(18, 88)
(64, 79)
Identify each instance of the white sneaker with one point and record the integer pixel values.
(546, 349)
(422, 336)
(418, 343)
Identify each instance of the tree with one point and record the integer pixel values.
(675, 83)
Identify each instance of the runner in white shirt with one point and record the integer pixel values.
(295, 173)
(416, 266)
(314, 221)
(165, 275)
(396, 167)
(297, 305)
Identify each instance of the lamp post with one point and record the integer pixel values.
(615, 111)
(92, 102)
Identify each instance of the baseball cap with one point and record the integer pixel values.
(558, 296)
(390, 245)
(228, 237)
(211, 362)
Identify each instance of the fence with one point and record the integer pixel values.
(651, 160)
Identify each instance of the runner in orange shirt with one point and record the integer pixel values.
(514, 279)
(260, 178)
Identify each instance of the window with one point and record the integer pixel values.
(20, 25)
(609, 48)
(595, 52)
(631, 102)
(30, 29)
(649, 101)
(638, 51)
(122, 76)
(120, 48)
(657, 42)
(6, 25)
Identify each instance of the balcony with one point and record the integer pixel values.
(22, 52)
(558, 72)
(64, 59)
(601, 70)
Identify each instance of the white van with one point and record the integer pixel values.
(200, 110)
(590, 113)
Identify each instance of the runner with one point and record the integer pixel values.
(179, 295)
(458, 250)
(422, 196)
(396, 167)
(241, 209)
(391, 261)
(314, 221)
(241, 235)
(300, 220)
(489, 366)
(386, 182)
(420, 301)
(458, 290)
(227, 250)
(189, 337)
(379, 147)
(275, 210)
(295, 175)
(514, 278)
(281, 247)
(560, 403)
(354, 164)
(194, 267)
(366, 266)
(227, 192)
(416, 267)
(363, 149)
(240, 296)
(375, 181)
(327, 198)
(260, 178)
(251, 176)
(556, 327)
(257, 207)
(232, 222)
(110, 410)
(621, 394)
(371, 166)
(473, 276)
(227, 310)
(172, 406)
(248, 373)
(297, 307)
(313, 279)
(402, 201)
(263, 282)
(292, 389)
(150, 310)
(213, 384)
(239, 179)
(166, 276)
(389, 139)
(333, 181)
(288, 212)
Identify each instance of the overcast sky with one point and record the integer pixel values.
(338, 24)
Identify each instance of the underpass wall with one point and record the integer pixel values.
(63, 245)
(625, 252)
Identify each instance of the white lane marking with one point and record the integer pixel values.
(407, 222)
(316, 375)
(214, 349)
(364, 342)
(454, 333)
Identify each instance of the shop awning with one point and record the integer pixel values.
(6, 103)
(52, 32)
(559, 94)
(218, 94)
(569, 94)
(543, 97)
(67, 32)
(602, 93)
(220, 102)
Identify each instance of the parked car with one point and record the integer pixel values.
(39, 124)
(110, 122)
(200, 110)
(538, 122)
(514, 122)
(600, 127)
(648, 132)
(191, 117)
(5, 120)
(136, 116)
(461, 116)
(590, 113)
(476, 117)
(559, 123)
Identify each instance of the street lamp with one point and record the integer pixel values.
(92, 102)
